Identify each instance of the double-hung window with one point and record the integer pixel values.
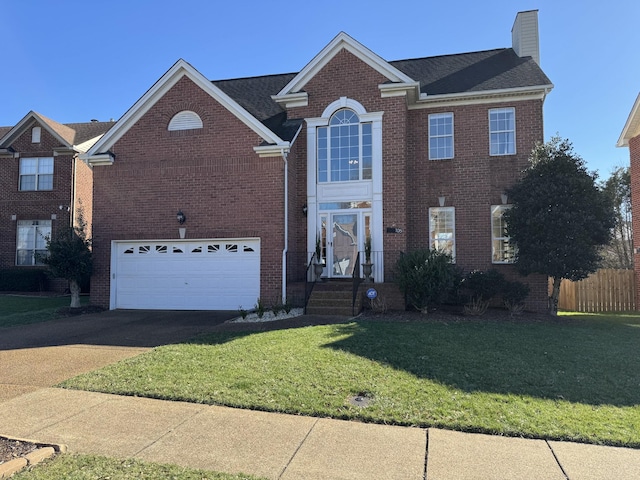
(502, 131)
(345, 151)
(36, 174)
(31, 241)
(440, 136)
(442, 229)
(502, 250)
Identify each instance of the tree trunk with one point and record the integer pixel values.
(75, 293)
(555, 295)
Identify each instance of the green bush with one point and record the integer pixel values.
(426, 277)
(23, 280)
(514, 294)
(481, 287)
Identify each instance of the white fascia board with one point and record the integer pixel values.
(180, 69)
(487, 96)
(292, 100)
(632, 126)
(342, 40)
(98, 159)
(272, 150)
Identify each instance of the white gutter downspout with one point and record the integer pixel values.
(286, 227)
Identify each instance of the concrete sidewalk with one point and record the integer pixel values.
(280, 446)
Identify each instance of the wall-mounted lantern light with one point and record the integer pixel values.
(181, 217)
(504, 198)
(441, 201)
(305, 209)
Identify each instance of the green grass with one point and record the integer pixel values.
(21, 310)
(90, 467)
(576, 378)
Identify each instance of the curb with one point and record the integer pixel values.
(44, 451)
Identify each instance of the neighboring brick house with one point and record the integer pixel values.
(40, 176)
(630, 137)
(413, 153)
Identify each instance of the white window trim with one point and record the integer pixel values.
(36, 225)
(431, 240)
(37, 174)
(433, 115)
(36, 133)
(493, 238)
(497, 110)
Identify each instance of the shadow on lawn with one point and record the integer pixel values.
(588, 361)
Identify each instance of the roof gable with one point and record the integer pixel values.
(62, 133)
(343, 41)
(180, 69)
(632, 126)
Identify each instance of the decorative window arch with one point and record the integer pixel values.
(185, 120)
(345, 150)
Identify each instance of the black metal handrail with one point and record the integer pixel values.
(357, 280)
(308, 286)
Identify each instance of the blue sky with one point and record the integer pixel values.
(74, 61)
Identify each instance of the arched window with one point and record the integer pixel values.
(185, 120)
(344, 148)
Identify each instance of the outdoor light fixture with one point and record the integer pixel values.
(504, 198)
(181, 217)
(305, 209)
(441, 201)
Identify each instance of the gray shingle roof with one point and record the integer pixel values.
(461, 73)
(473, 72)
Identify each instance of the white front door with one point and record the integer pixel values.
(343, 235)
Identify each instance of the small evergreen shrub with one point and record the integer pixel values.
(23, 280)
(513, 295)
(425, 277)
(481, 287)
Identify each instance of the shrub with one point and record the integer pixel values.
(481, 287)
(425, 277)
(513, 295)
(23, 280)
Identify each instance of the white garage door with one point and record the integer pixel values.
(220, 274)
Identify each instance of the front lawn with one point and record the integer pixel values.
(91, 467)
(21, 310)
(575, 378)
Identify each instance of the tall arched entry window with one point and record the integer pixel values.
(344, 148)
(344, 187)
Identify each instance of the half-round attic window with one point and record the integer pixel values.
(185, 120)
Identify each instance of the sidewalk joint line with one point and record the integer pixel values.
(557, 460)
(170, 430)
(298, 448)
(84, 410)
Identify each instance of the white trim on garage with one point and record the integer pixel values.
(203, 274)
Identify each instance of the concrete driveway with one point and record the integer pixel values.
(44, 354)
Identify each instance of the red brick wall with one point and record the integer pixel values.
(33, 205)
(634, 153)
(211, 174)
(471, 182)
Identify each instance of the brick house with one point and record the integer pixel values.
(42, 183)
(630, 137)
(211, 194)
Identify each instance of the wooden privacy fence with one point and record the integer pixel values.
(607, 290)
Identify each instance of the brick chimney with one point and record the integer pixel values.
(524, 35)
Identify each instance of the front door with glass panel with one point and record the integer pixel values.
(343, 240)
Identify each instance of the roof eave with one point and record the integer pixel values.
(484, 96)
(180, 69)
(632, 126)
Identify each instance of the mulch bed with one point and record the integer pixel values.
(10, 449)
